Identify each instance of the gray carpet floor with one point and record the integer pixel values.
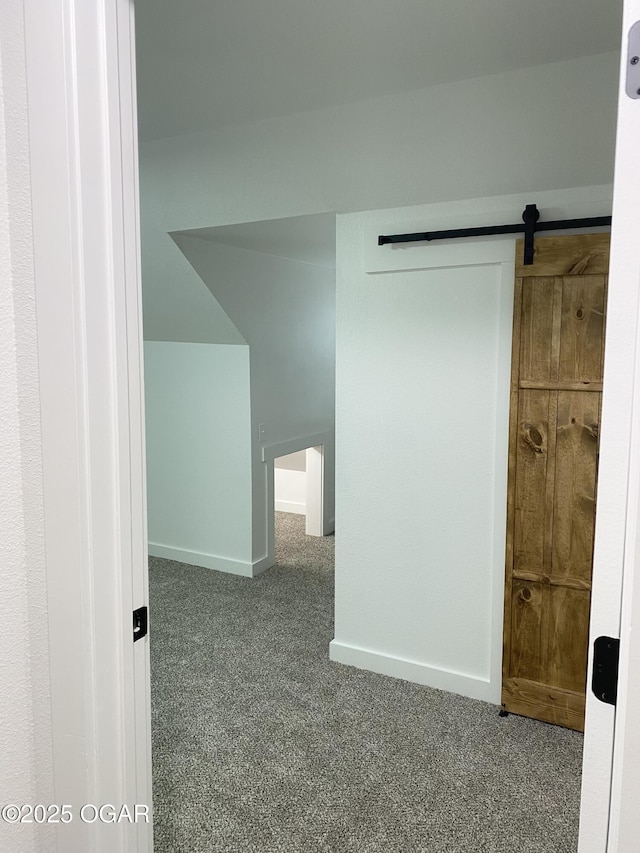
(261, 744)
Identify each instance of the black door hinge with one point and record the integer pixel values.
(606, 655)
(140, 623)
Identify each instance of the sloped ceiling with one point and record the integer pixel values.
(205, 64)
(310, 239)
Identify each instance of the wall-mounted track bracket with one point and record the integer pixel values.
(529, 226)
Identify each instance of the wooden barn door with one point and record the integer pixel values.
(556, 392)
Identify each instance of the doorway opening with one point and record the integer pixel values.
(169, 304)
(290, 483)
(298, 485)
(261, 439)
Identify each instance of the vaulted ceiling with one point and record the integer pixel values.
(206, 64)
(311, 239)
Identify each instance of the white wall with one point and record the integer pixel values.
(199, 454)
(522, 130)
(285, 310)
(290, 488)
(290, 483)
(422, 406)
(181, 308)
(26, 774)
(292, 461)
(527, 131)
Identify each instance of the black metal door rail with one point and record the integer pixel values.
(529, 226)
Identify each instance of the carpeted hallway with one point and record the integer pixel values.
(261, 744)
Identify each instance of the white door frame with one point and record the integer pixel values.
(617, 536)
(317, 522)
(83, 160)
(80, 70)
(617, 509)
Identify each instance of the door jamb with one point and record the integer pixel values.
(621, 818)
(84, 192)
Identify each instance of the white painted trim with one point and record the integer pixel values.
(617, 542)
(284, 448)
(503, 381)
(202, 560)
(328, 488)
(123, 46)
(261, 565)
(411, 670)
(242, 568)
(315, 509)
(83, 152)
(291, 506)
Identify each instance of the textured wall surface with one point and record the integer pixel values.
(25, 748)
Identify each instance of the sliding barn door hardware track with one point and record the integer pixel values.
(529, 226)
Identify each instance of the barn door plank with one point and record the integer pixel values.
(556, 396)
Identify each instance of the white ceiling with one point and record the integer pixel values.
(213, 63)
(311, 239)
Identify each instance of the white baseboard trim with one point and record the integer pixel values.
(419, 673)
(206, 561)
(261, 565)
(290, 506)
